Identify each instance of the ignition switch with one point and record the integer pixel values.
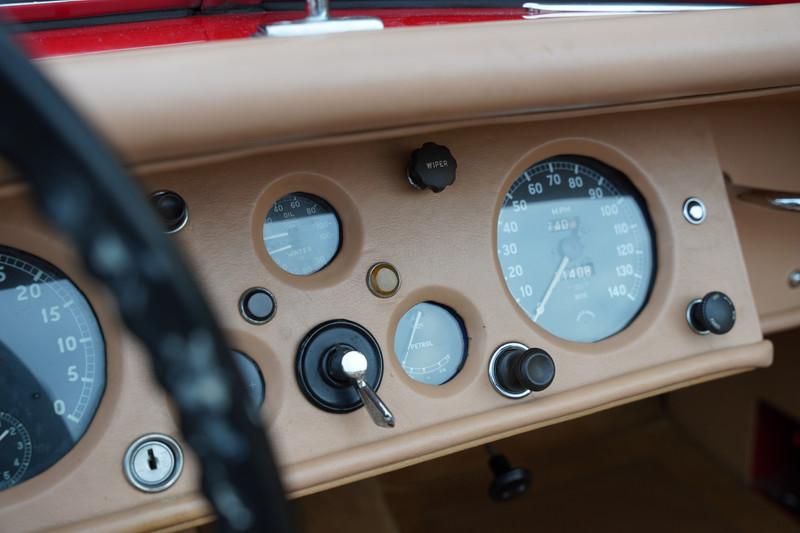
(153, 462)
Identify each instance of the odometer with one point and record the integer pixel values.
(52, 365)
(575, 245)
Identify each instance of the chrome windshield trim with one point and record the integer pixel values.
(39, 3)
(538, 10)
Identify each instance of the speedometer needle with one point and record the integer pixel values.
(550, 288)
(4, 434)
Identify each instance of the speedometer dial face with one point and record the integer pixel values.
(53, 365)
(575, 245)
(302, 233)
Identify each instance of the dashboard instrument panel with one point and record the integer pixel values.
(451, 310)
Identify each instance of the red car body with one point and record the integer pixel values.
(65, 27)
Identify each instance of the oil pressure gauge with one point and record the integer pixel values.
(302, 233)
(431, 343)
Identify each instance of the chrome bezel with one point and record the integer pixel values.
(250, 319)
(687, 205)
(185, 220)
(138, 444)
(493, 377)
(689, 317)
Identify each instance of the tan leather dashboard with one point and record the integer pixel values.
(214, 98)
(232, 127)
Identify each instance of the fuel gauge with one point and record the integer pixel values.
(431, 343)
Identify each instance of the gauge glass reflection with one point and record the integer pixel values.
(431, 343)
(52, 365)
(302, 233)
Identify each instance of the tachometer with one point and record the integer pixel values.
(576, 248)
(53, 361)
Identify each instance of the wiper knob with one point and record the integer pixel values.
(432, 167)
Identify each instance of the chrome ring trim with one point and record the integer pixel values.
(686, 208)
(537, 10)
(689, 317)
(493, 377)
(186, 204)
(244, 314)
(177, 468)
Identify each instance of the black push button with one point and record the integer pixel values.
(534, 369)
(171, 208)
(257, 305)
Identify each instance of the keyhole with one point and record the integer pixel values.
(152, 461)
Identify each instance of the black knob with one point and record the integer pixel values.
(535, 369)
(714, 313)
(508, 482)
(171, 207)
(518, 371)
(432, 167)
(333, 365)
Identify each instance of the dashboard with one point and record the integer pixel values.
(495, 276)
(558, 236)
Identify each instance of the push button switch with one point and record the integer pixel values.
(172, 210)
(257, 305)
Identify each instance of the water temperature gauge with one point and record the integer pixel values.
(431, 343)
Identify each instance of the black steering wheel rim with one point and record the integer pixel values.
(86, 193)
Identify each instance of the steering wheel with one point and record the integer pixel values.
(85, 192)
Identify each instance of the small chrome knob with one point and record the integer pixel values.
(349, 366)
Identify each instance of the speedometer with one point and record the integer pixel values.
(576, 247)
(52, 365)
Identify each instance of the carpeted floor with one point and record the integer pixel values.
(624, 470)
